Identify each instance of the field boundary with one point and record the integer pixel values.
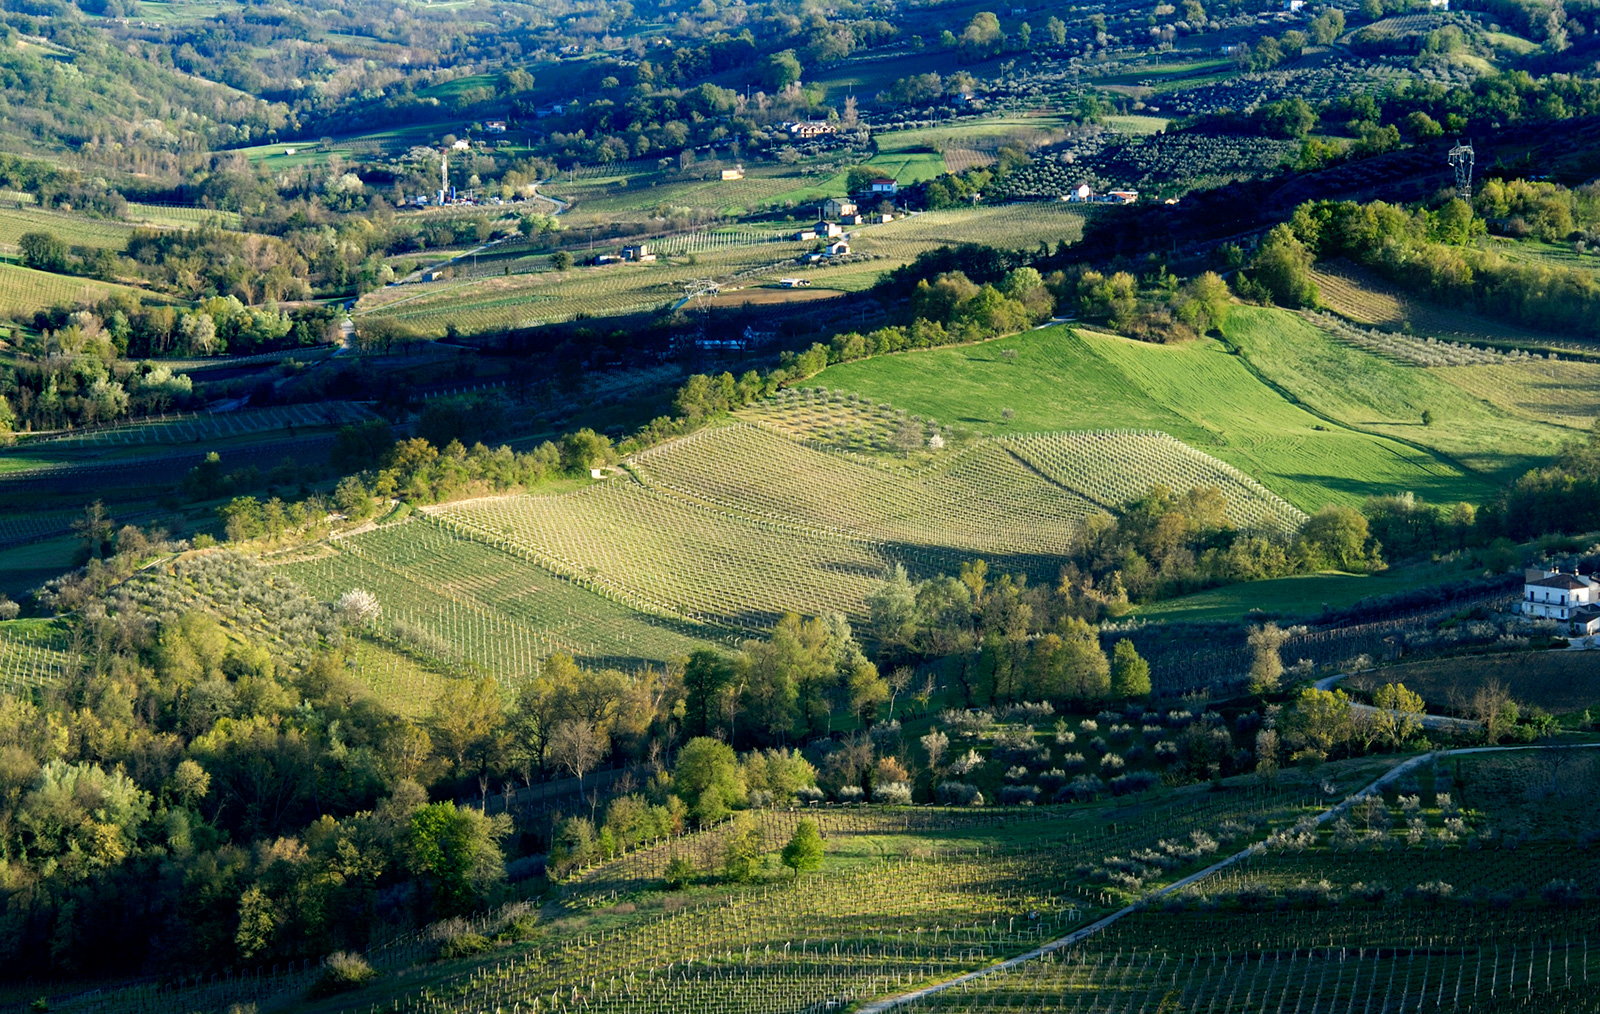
(1376, 785)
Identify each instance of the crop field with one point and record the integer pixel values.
(1106, 468)
(177, 216)
(197, 427)
(904, 897)
(477, 609)
(1304, 595)
(73, 230)
(1066, 379)
(32, 654)
(662, 554)
(1357, 294)
(981, 501)
(1559, 681)
(739, 255)
(23, 291)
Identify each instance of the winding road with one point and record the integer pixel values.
(1376, 786)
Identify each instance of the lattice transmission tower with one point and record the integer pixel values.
(1461, 159)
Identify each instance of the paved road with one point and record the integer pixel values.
(1394, 773)
(1438, 723)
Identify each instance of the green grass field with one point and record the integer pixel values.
(1066, 379)
(1367, 392)
(1303, 596)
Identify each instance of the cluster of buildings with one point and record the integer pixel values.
(1084, 194)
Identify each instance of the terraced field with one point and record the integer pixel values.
(73, 230)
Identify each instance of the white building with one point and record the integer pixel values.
(1570, 599)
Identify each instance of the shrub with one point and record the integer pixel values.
(1373, 892)
(1308, 895)
(679, 873)
(1017, 774)
(1081, 789)
(1253, 896)
(966, 763)
(463, 945)
(341, 972)
(1435, 891)
(1073, 761)
(1166, 751)
(1562, 893)
(809, 794)
(1088, 725)
(1133, 754)
(1019, 795)
(1132, 782)
(1099, 745)
(892, 794)
(850, 793)
(1112, 762)
(958, 794)
(1052, 780)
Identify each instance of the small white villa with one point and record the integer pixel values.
(1571, 599)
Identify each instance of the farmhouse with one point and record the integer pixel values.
(794, 283)
(495, 127)
(736, 173)
(883, 186)
(805, 234)
(837, 207)
(639, 252)
(838, 249)
(1571, 599)
(1079, 193)
(827, 230)
(810, 128)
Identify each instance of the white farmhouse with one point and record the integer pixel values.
(1570, 599)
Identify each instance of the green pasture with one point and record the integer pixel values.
(1370, 393)
(1303, 596)
(1201, 393)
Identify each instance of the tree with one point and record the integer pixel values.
(1400, 712)
(742, 854)
(1057, 30)
(1206, 302)
(707, 674)
(1266, 666)
(865, 691)
(456, 854)
(707, 779)
(1493, 705)
(1283, 268)
(857, 179)
(467, 725)
(1336, 538)
(1427, 417)
(585, 449)
(780, 70)
(982, 36)
(42, 251)
(95, 528)
(560, 260)
(1323, 717)
(578, 746)
(805, 849)
(1130, 674)
(1267, 755)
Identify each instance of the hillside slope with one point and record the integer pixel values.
(1314, 420)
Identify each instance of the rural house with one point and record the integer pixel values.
(827, 230)
(736, 173)
(1571, 599)
(836, 207)
(883, 186)
(640, 252)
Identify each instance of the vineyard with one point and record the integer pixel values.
(73, 230)
(206, 426)
(24, 291)
(469, 608)
(33, 653)
(736, 524)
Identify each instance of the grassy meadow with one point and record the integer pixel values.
(1315, 420)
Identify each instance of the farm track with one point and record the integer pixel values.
(1373, 788)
